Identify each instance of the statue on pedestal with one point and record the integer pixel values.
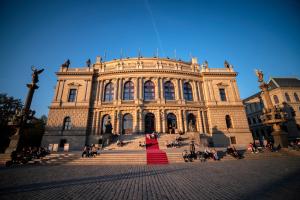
(260, 75)
(35, 74)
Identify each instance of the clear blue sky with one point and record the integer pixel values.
(249, 34)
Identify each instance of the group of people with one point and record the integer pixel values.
(202, 155)
(176, 143)
(269, 145)
(294, 145)
(231, 150)
(90, 151)
(27, 154)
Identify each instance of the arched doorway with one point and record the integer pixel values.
(191, 119)
(149, 123)
(171, 122)
(127, 124)
(105, 120)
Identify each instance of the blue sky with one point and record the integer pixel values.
(249, 34)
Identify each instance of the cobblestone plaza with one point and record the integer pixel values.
(273, 178)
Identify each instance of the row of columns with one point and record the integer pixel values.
(160, 121)
(139, 89)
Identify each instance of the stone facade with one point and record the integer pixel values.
(283, 91)
(146, 94)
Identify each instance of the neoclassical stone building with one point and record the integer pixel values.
(142, 95)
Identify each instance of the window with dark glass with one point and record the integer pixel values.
(128, 91)
(72, 95)
(276, 100)
(169, 91)
(149, 93)
(287, 97)
(228, 121)
(296, 97)
(222, 94)
(109, 92)
(67, 123)
(187, 92)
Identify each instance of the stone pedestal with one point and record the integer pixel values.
(280, 137)
(13, 144)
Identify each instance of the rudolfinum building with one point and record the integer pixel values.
(142, 95)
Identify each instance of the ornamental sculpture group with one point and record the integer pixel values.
(272, 115)
(21, 117)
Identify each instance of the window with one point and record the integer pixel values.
(169, 91)
(67, 123)
(222, 94)
(296, 97)
(72, 95)
(128, 91)
(127, 124)
(149, 93)
(187, 92)
(109, 92)
(232, 140)
(228, 121)
(287, 97)
(276, 100)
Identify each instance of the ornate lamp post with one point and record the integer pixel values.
(21, 117)
(272, 115)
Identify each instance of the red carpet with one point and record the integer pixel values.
(154, 155)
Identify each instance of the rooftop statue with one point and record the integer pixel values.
(88, 63)
(66, 64)
(260, 75)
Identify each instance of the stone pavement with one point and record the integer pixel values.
(274, 178)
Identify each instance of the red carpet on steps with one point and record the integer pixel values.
(154, 155)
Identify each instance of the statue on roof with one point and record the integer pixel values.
(205, 64)
(88, 63)
(227, 64)
(260, 75)
(66, 64)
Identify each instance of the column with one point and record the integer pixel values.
(212, 91)
(158, 121)
(141, 85)
(156, 83)
(163, 121)
(57, 89)
(62, 91)
(94, 123)
(120, 90)
(162, 89)
(136, 122)
(141, 121)
(181, 89)
(116, 84)
(199, 91)
(86, 88)
(195, 92)
(97, 123)
(200, 122)
(100, 94)
(180, 122)
(135, 82)
(184, 121)
(206, 91)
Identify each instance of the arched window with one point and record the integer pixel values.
(169, 91)
(105, 123)
(187, 92)
(109, 92)
(67, 123)
(127, 124)
(296, 97)
(149, 93)
(171, 122)
(228, 121)
(276, 100)
(191, 119)
(287, 97)
(128, 91)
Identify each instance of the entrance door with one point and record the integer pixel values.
(149, 123)
(172, 123)
(127, 124)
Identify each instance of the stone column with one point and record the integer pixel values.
(206, 91)
(199, 91)
(141, 121)
(195, 93)
(116, 84)
(136, 121)
(184, 121)
(135, 82)
(141, 85)
(181, 89)
(97, 123)
(100, 95)
(94, 126)
(200, 122)
(120, 90)
(162, 97)
(158, 121)
(180, 122)
(163, 121)
(156, 83)
(57, 89)
(62, 91)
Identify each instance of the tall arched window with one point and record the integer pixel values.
(296, 97)
(169, 91)
(127, 124)
(171, 122)
(276, 100)
(128, 91)
(187, 92)
(67, 123)
(228, 121)
(149, 93)
(287, 97)
(191, 120)
(109, 92)
(105, 122)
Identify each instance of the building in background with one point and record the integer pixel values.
(142, 95)
(283, 91)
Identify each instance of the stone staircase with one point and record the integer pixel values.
(131, 143)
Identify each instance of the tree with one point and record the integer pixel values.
(8, 107)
